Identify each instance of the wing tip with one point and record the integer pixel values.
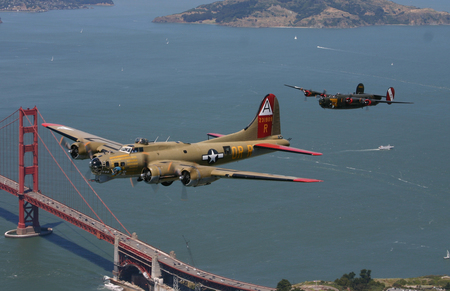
(305, 180)
(277, 147)
(50, 124)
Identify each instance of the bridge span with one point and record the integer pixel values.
(160, 271)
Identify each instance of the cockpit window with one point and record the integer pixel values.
(141, 140)
(137, 150)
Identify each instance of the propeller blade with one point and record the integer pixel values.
(88, 150)
(64, 143)
(184, 195)
(155, 187)
(88, 175)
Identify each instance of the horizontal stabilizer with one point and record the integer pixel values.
(214, 134)
(235, 174)
(389, 102)
(285, 149)
(295, 87)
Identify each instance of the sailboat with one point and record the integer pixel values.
(448, 255)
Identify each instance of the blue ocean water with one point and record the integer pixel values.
(111, 72)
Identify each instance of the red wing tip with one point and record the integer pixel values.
(303, 180)
(215, 134)
(287, 149)
(50, 124)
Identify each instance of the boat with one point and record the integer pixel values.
(448, 255)
(386, 147)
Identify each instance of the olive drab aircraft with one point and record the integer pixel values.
(194, 164)
(359, 99)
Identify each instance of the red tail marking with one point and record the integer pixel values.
(265, 116)
(390, 94)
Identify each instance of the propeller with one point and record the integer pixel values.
(184, 195)
(184, 177)
(155, 187)
(64, 143)
(88, 175)
(88, 150)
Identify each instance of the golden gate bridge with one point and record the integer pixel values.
(35, 167)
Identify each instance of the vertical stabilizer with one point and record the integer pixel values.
(268, 118)
(390, 95)
(360, 88)
(265, 124)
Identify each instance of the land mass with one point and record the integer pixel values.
(46, 5)
(424, 283)
(307, 13)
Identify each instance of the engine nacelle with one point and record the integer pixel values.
(367, 102)
(193, 177)
(78, 151)
(348, 100)
(151, 175)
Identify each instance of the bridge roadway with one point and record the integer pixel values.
(129, 246)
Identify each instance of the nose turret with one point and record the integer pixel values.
(96, 166)
(324, 102)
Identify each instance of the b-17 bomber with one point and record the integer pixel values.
(194, 164)
(359, 99)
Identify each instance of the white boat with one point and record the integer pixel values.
(386, 147)
(448, 255)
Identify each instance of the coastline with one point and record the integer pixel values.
(19, 9)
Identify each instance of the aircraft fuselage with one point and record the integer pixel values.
(131, 159)
(350, 101)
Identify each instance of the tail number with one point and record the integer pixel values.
(265, 117)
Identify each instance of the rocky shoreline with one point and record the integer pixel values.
(332, 14)
(44, 6)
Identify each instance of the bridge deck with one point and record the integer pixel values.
(139, 250)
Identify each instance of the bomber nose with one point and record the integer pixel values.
(96, 165)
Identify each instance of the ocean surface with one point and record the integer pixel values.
(112, 72)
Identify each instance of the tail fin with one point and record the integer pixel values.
(360, 88)
(390, 95)
(265, 124)
(267, 120)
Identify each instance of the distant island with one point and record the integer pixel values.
(307, 13)
(46, 5)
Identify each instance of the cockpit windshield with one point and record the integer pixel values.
(126, 149)
(129, 149)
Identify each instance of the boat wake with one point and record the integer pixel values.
(364, 150)
(343, 51)
(414, 184)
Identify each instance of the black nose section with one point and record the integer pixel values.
(96, 165)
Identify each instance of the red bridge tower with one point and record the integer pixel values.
(28, 214)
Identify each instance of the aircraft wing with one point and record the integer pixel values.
(192, 174)
(235, 174)
(389, 102)
(80, 136)
(276, 147)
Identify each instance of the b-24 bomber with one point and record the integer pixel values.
(359, 99)
(194, 164)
